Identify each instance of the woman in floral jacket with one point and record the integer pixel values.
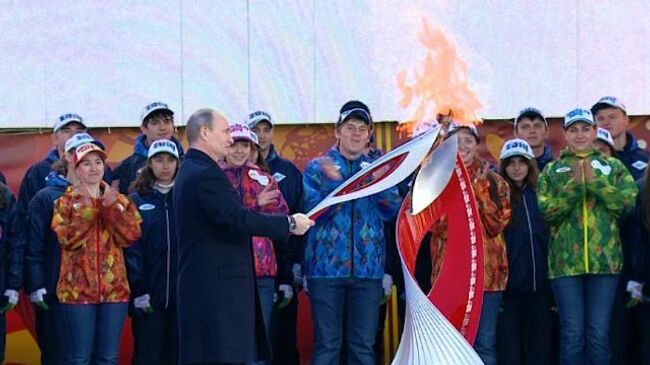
(93, 222)
(493, 200)
(260, 192)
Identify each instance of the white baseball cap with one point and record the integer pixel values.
(255, 118)
(454, 127)
(578, 115)
(163, 145)
(66, 119)
(608, 102)
(516, 147)
(77, 140)
(604, 135)
(155, 106)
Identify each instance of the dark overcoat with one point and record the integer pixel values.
(219, 313)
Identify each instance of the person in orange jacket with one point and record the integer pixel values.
(493, 202)
(93, 222)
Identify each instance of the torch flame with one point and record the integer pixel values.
(441, 89)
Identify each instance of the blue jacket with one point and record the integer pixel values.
(43, 256)
(636, 242)
(289, 180)
(527, 245)
(11, 251)
(128, 169)
(348, 238)
(634, 157)
(151, 262)
(545, 158)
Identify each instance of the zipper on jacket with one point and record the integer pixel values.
(351, 231)
(97, 256)
(584, 220)
(168, 253)
(532, 247)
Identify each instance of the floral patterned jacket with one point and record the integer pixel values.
(493, 200)
(92, 236)
(249, 180)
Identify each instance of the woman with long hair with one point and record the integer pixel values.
(582, 196)
(258, 190)
(152, 260)
(493, 200)
(93, 223)
(524, 324)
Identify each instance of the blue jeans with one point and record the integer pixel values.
(359, 300)
(266, 290)
(486, 336)
(93, 332)
(585, 307)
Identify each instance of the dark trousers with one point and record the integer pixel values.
(630, 330)
(155, 337)
(283, 334)
(50, 334)
(524, 328)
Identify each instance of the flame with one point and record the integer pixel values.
(441, 88)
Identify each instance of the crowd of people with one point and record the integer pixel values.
(206, 249)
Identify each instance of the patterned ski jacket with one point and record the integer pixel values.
(584, 216)
(348, 238)
(249, 180)
(493, 200)
(92, 237)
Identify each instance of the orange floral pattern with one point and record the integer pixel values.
(92, 236)
(493, 199)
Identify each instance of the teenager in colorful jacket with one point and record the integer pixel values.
(152, 260)
(345, 253)
(93, 222)
(582, 196)
(157, 122)
(259, 191)
(493, 200)
(524, 329)
(43, 255)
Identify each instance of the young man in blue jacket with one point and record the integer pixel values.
(531, 126)
(289, 178)
(157, 122)
(345, 253)
(610, 113)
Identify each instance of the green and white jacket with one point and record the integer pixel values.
(584, 217)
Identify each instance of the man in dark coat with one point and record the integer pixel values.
(219, 314)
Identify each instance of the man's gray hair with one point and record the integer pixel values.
(198, 119)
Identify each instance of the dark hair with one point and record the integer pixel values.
(261, 161)
(61, 166)
(3, 193)
(531, 178)
(200, 118)
(157, 114)
(529, 115)
(145, 179)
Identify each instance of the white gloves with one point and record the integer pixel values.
(635, 289)
(36, 297)
(142, 303)
(287, 290)
(387, 284)
(12, 300)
